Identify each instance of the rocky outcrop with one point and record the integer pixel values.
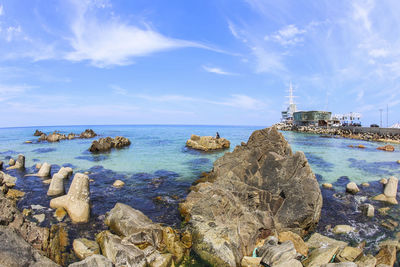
(38, 133)
(106, 144)
(76, 202)
(93, 261)
(207, 143)
(15, 251)
(88, 133)
(389, 148)
(390, 191)
(273, 254)
(139, 241)
(19, 164)
(259, 187)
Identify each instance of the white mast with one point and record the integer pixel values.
(291, 96)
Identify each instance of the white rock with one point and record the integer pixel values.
(65, 172)
(391, 187)
(343, 229)
(39, 217)
(44, 170)
(352, 188)
(56, 186)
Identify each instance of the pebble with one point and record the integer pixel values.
(352, 188)
(365, 184)
(383, 181)
(384, 210)
(342, 229)
(118, 183)
(327, 186)
(39, 217)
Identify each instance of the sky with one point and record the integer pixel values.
(214, 62)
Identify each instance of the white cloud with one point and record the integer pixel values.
(289, 35)
(381, 52)
(217, 71)
(12, 91)
(361, 10)
(242, 101)
(11, 32)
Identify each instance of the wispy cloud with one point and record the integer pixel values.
(242, 101)
(11, 91)
(217, 70)
(288, 35)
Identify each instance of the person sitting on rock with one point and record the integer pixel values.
(217, 135)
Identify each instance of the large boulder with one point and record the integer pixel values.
(44, 170)
(56, 185)
(207, 143)
(15, 251)
(259, 187)
(76, 202)
(19, 164)
(93, 261)
(106, 144)
(88, 133)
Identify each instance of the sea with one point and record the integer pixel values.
(158, 170)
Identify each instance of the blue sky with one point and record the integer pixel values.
(219, 62)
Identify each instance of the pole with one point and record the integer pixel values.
(381, 116)
(387, 116)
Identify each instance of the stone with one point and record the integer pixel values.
(11, 162)
(317, 241)
(320, 256)
(389, 148)
(383, 198)
(365, 184)
(8, 179)
(207, 143)
(71, 136)
(44, 170)
(342, 229)
(384, 210)
(291, 263)
(383, 181)
(15, 251)
(93, 261)
(60, 214)
(341, 264)
(390, 190)
(398, 162)
(38, 165)
(106, 144)
(37, 207)
(118, 183)
(15, 194)
(349, 254)
(394, 243)
(26, 212)
(352, 188)
(121, 253)
(76, 202)
(273, 254)
(84, 248)
(173, 244)
(56, 186)
(250, 261)
(53, 137)
(250, 192)
(1, 164)
(327, 186)
(65, 172)
(300, 246)
(88, 133)
(366, 261)
(47, 181)
(19, 164)
(368, 210)
(389, 224)
(37, 133)
(386, 255)
(58, 244)
(39, 217)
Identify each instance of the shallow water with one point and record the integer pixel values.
(158, 170)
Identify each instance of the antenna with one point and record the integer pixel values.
(291, 96)
(381, 116)
(387, 115)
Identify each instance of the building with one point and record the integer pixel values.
(287, 115)
(312, 118)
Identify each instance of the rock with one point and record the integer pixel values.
(341, 264)
(38, 165)
(93, 261)
(368, 210)
(8, 179)
(105, 144)
(300, 246)
(384, 210)
(390, 190)
(383, 181)
(42, 137)
(47, 181)
(76, 202)
(389, 148)
(84, 248)
(44, 170)
(349, 254)
(58, 244)
(173, 244)
(71, 136)
(366, 261)
(398, 161)
(15, 251)
(389, 224)
(386, 255)
(291, 263)
(317, 241)
(257, 188)
(53, 137)
(327, 186)
(342, 229)
(394, 243)
(27, 212)
(320, 256)
(383, 198)
(361, 146)
(88, 133)
(1, 164)
(56, 186)
(273, 254)
(11, 162)
(37, 207)
(365, 184)
(352, 188)
(15, 194)
(65, 172)
(118, 183)
(39, 217)
(207, 143)
(19, 164)
(60, 214)
(250, 261)
(37, 133)
(121, 253)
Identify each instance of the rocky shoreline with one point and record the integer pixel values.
(261, 205)
(337, 132)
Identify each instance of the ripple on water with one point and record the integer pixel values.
(319, 162)
(44, 150)
(375, 168)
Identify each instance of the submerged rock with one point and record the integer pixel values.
(389, 148)
(257, 188)
(105, 144)
(118, 183)
(76, 202)
(88, 133)
(207, 143)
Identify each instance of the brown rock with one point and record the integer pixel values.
(106, 144)
(389, 148)
(58, 244)
(300, 246)
(15, 194)
(84, 248)
(349, 254)
(386, 255)
(207, 143)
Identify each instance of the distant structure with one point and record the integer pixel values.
(287, 115)
(312, 118)
(349, 119)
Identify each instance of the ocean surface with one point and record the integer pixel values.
(158, 168)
